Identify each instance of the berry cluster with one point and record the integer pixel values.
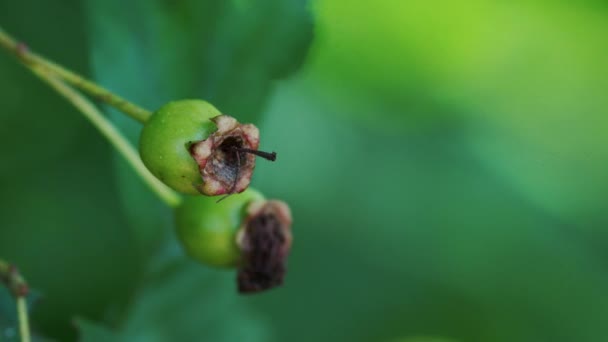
(197, 151)
(194, 149)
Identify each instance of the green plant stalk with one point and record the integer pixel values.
(18, 287)
(109, 131)
(55, 75)
(24, 324)
(31, 59)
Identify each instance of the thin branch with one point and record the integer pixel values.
(109, 131)
(32, 60)
(16, 284)
(24, 323)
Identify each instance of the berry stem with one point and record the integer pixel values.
(32, 60)
(16, 284)
(24, 324)
(109, 131)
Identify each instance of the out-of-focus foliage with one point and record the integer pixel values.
(8, 316)
(60, 219)
(445, 163)
(529, 78)
(184, 304)
(423, 339)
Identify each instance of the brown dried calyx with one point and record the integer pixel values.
(265, 242)
(226, 159)
(13, 280)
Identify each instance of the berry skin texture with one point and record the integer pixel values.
(165, 139)
(208, 230)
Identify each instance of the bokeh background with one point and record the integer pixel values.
(446, 163)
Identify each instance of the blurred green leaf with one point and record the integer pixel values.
(527, 77)
(184, 303)
(412, 235)
(226, 52)
(424, 339)
(8, 316)
(9, 324)
(540, 116)
(59, 218)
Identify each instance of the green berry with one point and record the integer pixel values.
(244, 231)
(207, 229)
(166, 137)
(193, 148)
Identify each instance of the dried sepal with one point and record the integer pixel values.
(224, 166)
(265, 241)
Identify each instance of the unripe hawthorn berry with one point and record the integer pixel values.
(193, 148)
(244, 231)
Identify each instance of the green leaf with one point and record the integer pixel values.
(9, 324)
(184, 302)
(59, 217)
(424, 339)
(226, 52)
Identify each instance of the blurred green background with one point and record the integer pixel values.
(446, 163)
